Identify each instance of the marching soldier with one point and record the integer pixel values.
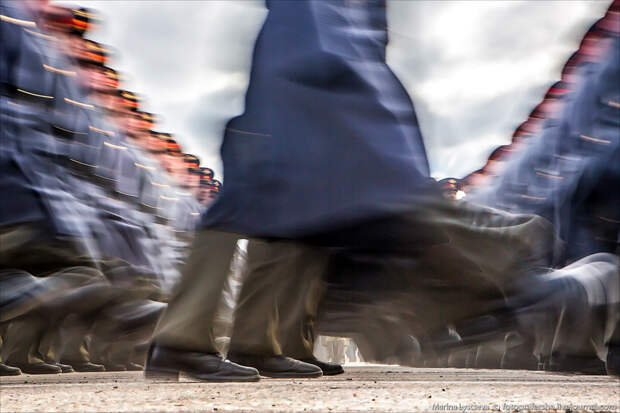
(41, 216)
(566, 175)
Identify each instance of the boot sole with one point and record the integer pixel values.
(7, 374)
(224, 379)
(41, 372)
(26, 370)
(173, 376)
(332, 373)
(87, 371)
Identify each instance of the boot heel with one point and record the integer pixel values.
(163, 376)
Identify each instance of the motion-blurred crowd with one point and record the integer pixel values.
(98, 208)
(593, 49)
(562, 164)
(95, 201)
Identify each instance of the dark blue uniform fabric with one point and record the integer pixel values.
(29, 188)
(570, 174)
(329, 136)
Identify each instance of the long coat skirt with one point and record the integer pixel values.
(329, 136)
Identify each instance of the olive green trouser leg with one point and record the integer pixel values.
(75, 350)
(274, 309)
(51, 344)
(298, 341)
(187, 323)
(59, 261)
(22, 339)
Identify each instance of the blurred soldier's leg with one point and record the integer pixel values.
(230, 296)
(110, 344)
(133, 326)
(184, 339)
(273, 301)
(71, 317)
(21, 295)
(613, 352)
(594, 313)
(52, 344)
(256, 314)
(30, 247)
(352, 352)
(582, 301)
(339, 350)
(519, 352)
(23, 337)
(320, 348)
(186, 323)
(4, 369)
(298, 337)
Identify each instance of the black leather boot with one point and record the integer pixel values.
(87, 367)
(38, 368)
(9, 370)
(277, 366)
(165, 363)
(329, 369)
(65, 368)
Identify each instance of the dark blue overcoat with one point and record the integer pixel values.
(329, 136)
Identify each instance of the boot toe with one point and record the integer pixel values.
(328, 369)
(9, 370)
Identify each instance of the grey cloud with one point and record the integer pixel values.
(190, 59)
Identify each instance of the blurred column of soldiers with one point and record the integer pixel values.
(566, 170)
(102, 208)
(42, 233)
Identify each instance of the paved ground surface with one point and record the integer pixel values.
(361, 388)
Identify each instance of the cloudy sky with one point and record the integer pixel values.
(474, 69)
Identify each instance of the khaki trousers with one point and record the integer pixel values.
(187, 324)
(277, 304)
(277, 307)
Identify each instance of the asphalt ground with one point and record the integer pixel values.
(361, 389)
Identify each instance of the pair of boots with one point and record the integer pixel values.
(167, 363)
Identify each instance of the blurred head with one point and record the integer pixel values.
(112, 78)
(92, 59)
(173, 160)
(477, 179)
(83, 21)
(138, 126)
(147, 120)
(206, 173)
(192, 172)
(209, 191)
(156, 144)
(57, 19)
(125, 111)
(449, 187)
(72, 24)
(558, 90)
(129, 101)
